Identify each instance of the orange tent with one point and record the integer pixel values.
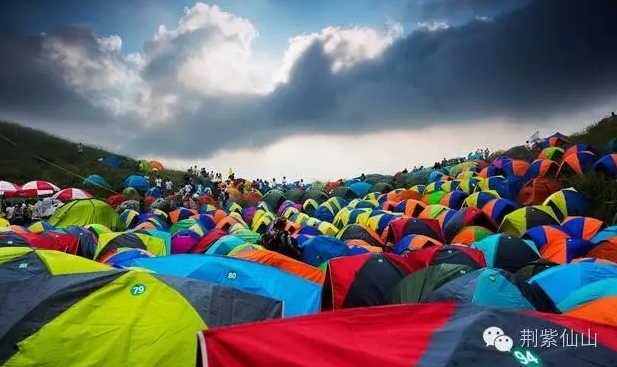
(234, 193)
(389, 205)
(537, 190)
(148, 200)
(606, 250)
(156, 165)
(285, 263)
(364, 244)
(226, 223)
(601, 311)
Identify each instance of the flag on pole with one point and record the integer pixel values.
(534, 140)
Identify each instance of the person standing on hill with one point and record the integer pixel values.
(158, 182)
(169, 187)
(188, 189)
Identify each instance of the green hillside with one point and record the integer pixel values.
(20, 164)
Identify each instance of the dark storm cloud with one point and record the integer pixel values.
(549, 57)
(553, 56)
(29, 84)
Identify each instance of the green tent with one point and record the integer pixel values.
(413, 288)
(382, 187)
(248, 236)
(344, 192)
(274, 198)
(294, 195)
(84, 212)
(317, 194)
(131, 193)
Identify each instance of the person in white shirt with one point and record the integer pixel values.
(284, 182)
(10, 213)
(169, 186)
(158, 182)
(188, 188)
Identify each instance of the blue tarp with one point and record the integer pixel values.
(299, 296)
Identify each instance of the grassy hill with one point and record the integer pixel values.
(20, 164)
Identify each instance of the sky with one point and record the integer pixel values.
(306, 89)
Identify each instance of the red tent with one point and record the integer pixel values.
(208, 240)
(46, 241)
(116, 200)
(435, 335)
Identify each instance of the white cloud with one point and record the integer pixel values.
(111, 43)
(432, 26)
(93, 66)
(218, 62)
(346, 47)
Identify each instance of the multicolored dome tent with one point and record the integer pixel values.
(110, 306)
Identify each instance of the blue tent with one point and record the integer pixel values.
(504, 251)
(324, 213)
(96, 181)
(604, 234)
(155, 192)
(561, 281)
(320, 249)
(360, 188)
(138, 182)
(300, 296)
(224, 245)
(434, 176)
(111, 161)
(591, 292)
(481, 286)
(511, 187)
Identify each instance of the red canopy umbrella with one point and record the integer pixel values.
(71, 194)
(35, 188)
(9, 189)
